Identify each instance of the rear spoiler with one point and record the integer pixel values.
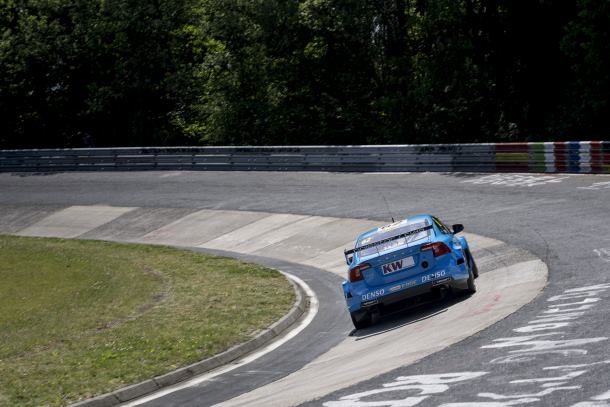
(389, 239)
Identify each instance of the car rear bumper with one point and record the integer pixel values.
(422, 290)
(404, 291)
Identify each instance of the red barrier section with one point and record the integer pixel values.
(596, 156)
(561, 156)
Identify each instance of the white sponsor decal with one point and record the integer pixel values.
(373, 294)
(392, 226)
(402, 286)
(433, 276)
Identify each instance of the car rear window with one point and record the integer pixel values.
(394, 229)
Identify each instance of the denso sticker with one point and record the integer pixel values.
(373, 294)
(433, 276)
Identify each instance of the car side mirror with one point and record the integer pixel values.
(457, 228)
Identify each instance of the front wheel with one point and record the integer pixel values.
(361, 319)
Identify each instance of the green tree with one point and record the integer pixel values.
(162, 72)
(83, 71)
(285, 73)
(587, 44)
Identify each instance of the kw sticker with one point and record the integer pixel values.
(397, 265)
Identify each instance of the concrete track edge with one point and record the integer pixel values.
(157, 383)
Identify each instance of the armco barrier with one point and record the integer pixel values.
(572, 157)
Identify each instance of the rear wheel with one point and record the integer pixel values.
(472, 287)
(361, 319)
(472, 274)
(472, 265)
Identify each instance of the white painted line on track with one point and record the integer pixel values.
(604, 396)
(311, 313)
(517, 180)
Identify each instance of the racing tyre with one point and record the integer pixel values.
(361, 319)
(472, 287)
(472, 264)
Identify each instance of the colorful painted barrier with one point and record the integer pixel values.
(551, 157)
(562, 156)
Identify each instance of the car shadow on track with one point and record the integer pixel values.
(407, 316)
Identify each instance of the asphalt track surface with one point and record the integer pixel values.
(560, 359)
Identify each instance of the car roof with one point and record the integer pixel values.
(411, 219)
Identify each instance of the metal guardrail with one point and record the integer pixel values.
(573, 157)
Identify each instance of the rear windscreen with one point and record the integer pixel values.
(393, 230)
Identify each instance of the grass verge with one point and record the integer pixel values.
(82, 318)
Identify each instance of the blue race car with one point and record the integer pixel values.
(403, 263)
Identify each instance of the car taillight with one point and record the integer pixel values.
(438, 248)
(355, 274)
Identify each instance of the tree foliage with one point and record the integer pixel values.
(168, 72)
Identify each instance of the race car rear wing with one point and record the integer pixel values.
(348, 259)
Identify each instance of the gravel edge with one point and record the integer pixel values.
(188, 372)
